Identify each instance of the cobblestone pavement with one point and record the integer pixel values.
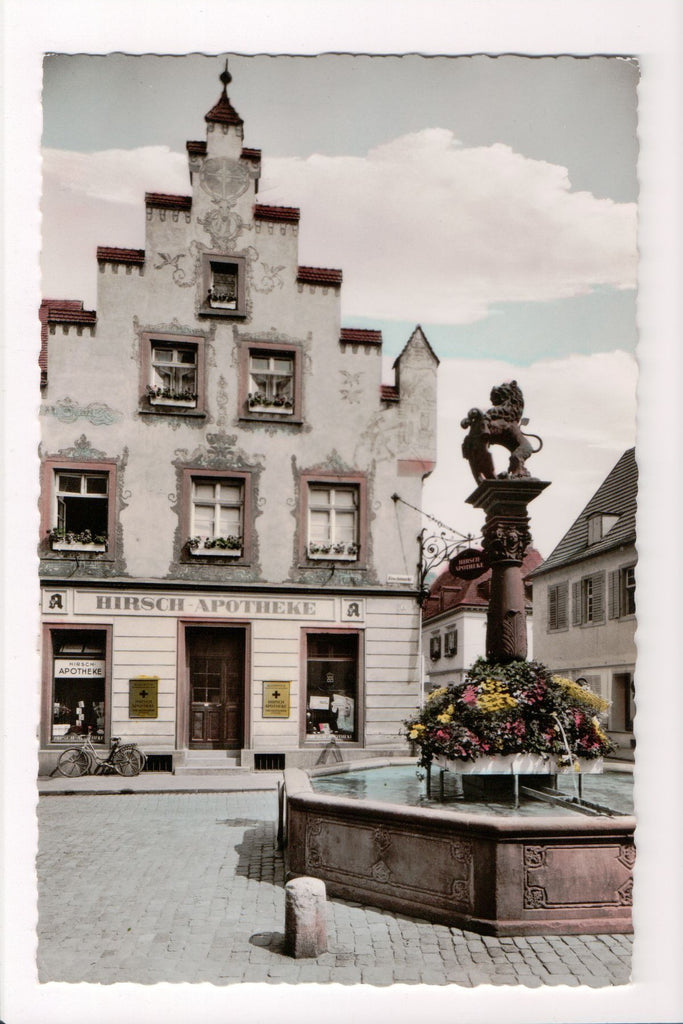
(188, 887)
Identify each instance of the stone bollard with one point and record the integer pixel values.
(305, 924)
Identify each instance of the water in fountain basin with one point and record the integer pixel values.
(400, 784)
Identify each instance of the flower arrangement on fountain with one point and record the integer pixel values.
(518, 708)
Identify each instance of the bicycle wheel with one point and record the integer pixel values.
(128, 760)
(73, 763)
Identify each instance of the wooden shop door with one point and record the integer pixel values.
(216, 676)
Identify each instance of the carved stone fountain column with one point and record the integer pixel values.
(506, 539)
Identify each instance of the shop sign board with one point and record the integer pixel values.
(276, 700)
(469, 564)
(89, 602)
(143, 697)
(79, 668)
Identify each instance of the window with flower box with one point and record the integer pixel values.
(77, 507)
(172, 368)
(270, 382)
(217, 523)
(174, 375)
(223, 286)
(333, 521)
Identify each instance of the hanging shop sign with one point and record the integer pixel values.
(143, 697)
(468, 564)
(276, 700)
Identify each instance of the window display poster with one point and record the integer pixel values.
(344, 708)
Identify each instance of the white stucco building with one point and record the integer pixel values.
(454, 622)
(584, 599)
(225, 577)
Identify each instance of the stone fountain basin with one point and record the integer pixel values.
(497, 876)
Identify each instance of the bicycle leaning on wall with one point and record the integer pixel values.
(123, 758)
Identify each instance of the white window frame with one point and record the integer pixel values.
(156, 387)
(59, 511)
(202, 544)
(332, 547)
(260, 401)
(627, 586)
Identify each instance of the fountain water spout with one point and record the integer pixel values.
(573, 760)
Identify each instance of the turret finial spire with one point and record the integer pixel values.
(223, 112)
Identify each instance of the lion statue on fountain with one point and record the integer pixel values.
(501, 425)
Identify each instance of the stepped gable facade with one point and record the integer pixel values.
(225, 577)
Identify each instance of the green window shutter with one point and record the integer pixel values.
(613, 594)
(576, 603)
(562, 605)
(598, 597)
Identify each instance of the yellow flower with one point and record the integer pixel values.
(496, 697)
(437, 693)
(581, 693)
(450, 709)
(416, 731)
(444, 719)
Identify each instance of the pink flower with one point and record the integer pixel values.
(469, 695)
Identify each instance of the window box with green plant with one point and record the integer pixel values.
(68, 540)
(169, 396)
(229, 547)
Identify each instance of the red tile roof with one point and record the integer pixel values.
(251, 154)
(48, 309)
(165, 202)
(106, 254)
(388, 393)
(319, 275)
(61, 315)
(358, 336)
(223, 112)
(449, 592)
(288, 213)
(196, 147)
(59, 311)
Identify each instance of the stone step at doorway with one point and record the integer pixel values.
(210, 762)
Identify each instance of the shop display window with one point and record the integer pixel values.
(78, 686)
(332, 686)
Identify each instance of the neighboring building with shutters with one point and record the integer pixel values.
(226, 578)
(454, 622)
(585, 600)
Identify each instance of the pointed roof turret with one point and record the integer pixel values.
(224, 112)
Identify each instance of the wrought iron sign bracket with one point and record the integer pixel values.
(434, 549)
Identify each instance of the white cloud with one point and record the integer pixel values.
(425, 230)
(422, 223)
(584, 409)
